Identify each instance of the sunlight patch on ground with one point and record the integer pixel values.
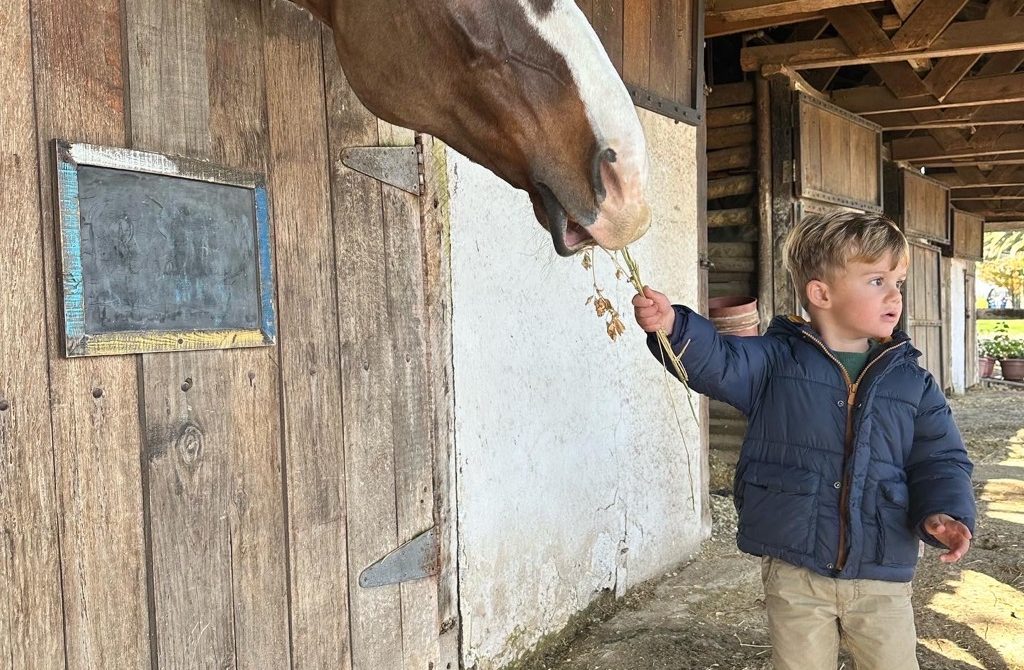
(1015, 456)
(952, 651)
(1005, 499)
(992, 610)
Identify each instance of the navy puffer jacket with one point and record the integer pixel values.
(834, 477)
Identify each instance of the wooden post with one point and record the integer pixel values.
(702, 293)
(782, 171)
(765, 252)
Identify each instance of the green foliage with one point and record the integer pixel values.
(1004, 262)
(1002, 345)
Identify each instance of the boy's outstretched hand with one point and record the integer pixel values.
(950, 532)
(653, 311)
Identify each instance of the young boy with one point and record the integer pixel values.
(851, 453)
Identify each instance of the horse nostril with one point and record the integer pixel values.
(606, 155)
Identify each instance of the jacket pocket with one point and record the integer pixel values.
(897, 544)
(779, 506)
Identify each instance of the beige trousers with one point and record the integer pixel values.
(808, 615)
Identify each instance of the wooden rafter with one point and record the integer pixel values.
(969, 92)
(960, 38)
(746, 10)
(1004, 159)
(926, 23)
(957, 117)
(948, 72)
(999, 177)
(915, 149)
(715, 26)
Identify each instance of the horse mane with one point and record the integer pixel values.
(320, 9)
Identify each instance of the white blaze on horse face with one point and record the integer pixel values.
(624, 214)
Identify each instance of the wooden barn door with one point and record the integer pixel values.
(215, 509)
(922, 310)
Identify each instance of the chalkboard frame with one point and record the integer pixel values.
(77, 340)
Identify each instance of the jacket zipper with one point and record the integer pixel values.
(851, 397)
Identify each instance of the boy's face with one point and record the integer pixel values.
(865, 299)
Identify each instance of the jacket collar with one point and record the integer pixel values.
(796, 326)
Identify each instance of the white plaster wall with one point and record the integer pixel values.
(958, 323)
(572, 472)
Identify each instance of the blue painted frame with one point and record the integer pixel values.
(77, 341)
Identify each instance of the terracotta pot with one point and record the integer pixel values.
(734, 314)
(985, 365)
(1013, 369)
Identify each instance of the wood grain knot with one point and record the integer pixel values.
(190, 444)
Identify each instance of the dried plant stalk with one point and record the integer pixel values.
(666, 346)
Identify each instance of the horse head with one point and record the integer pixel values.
(522, 87)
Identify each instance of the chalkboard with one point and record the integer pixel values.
(161, 253)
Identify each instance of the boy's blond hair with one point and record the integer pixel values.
(822, 244)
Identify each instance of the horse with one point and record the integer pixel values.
(522, 87)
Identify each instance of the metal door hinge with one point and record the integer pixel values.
(401, 167)
(704, 261)
(415, 559)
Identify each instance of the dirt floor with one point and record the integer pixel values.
(710, 614)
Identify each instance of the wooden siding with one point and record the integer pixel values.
(967, 237)
(657, 47)
(920, 205)
(214, 508)
(924, 298)
(839, 156)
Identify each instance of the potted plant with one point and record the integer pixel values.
(988, 354)
(1012, 359)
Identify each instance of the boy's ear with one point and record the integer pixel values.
(818, 294)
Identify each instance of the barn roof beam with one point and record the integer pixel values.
(927, 148)
(957, 117)
(747, 10)
(972, 91)
(1004, 226)
(714, 26)
(1005, 159)
(1003, 175)
(983, 192)
(960, 38)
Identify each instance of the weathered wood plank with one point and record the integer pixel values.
(366, 375)
(782, 112)
(727, 95)
(929, 19)
(435, 208)
(901, 79)
(727, 186)
(663, 47)
(729, 159)
(732, 250)
(212, 418)
(960, 38)
(730, 136)
(730, 116)
(310, 358)
(606, 17)
(31, 625)
(410, 404)
(636, 43)
(948, 72)
(739, 216)
(94, 402)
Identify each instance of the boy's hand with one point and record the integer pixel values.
(950, 532)
(653, 311)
